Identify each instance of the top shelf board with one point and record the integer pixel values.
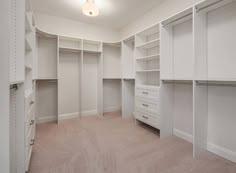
(210, 5)
(150, 31)
(179, 17)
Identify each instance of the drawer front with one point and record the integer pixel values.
(148, 93)
(29, 101)
(30, 120)
(148, 105)
(148, 118)
(29, 146)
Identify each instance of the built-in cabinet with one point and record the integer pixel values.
(197, 77)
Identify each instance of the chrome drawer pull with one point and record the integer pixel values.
(32, 142)
(145, 92)
(32, 102)
(145, 105)
(31, 122)
(145, 117)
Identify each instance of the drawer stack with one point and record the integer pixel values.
(29, 127)
(147, 105)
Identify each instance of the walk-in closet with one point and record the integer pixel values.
(102, 86)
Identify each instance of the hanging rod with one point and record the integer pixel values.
(216, 84)
(177, 82)
(164, 24)
(14, 87)
(199, 9)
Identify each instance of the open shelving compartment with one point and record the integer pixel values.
(46, 77)
(92, 85)
(90, 46)
(70, 62)
(215, 78)
(112, 77)
(177, 75)
(147, 57)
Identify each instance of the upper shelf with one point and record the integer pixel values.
(150, 44)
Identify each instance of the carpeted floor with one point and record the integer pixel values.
(111, 144)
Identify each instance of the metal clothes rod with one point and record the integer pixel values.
(14, 87)
(199, 9)
(178, 19)
(215, 84)
(178, 82)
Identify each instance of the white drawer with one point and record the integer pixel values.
(29, 101)
(30, 120)
(29, 146)
(148, 118)
(149, 93)
(148, 105)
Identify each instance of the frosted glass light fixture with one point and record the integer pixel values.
(89, 8)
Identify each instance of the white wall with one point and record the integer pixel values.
(163, 10)
(67, 27)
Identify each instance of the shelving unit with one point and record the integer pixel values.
(128, 58)
(69, 78)
(92, 102)
(147, 80)
(47, 77)
(92, 46)
(214, 86)
(177, 47)
(30, 51)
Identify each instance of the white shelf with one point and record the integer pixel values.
(41, 79)
(28, 26)
(150, 44)
(91, 51)
(110, 78)
(69, 49)
(27, 45)
(16, 82)
(148, 71)
(28, 67)
(28, 92)
(148, 86)
(150, 57)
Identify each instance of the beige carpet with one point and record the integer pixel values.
(115, 145)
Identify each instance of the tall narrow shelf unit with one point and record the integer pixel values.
(128, 75)
(112, 77)
(177, 75)
(147, 86)
(69, 77)
(198, 96)
(215, 78)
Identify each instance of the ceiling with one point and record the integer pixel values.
(113, 13)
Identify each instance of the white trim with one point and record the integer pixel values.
(89, 113)
(68, 116)
(46, 119)
(112, 109)
(183, 135)
(223, 152)
(213, 148)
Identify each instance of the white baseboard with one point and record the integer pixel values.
(68, 116)
(223, 152)
(213, 148)
(46, 119)
(112, 109)
(183, 135)
(89, 113)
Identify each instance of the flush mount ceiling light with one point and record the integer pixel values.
(89, 8)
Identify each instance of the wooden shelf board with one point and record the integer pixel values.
(150, 44)
(150, 57)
